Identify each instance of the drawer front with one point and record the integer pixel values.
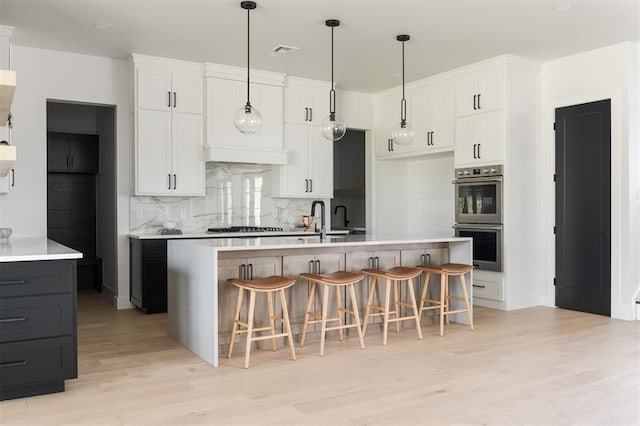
(23, 318)
(36, 361)
(154, 270)
(487, 290)
(154, 249)
(39, 277)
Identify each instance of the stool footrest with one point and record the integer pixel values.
(270, 336)
(341, 327)
(455, 312)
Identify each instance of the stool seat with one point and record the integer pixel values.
(449, 268)
(334, 278)
(269, 283)
(396, 273)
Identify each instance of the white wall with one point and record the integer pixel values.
(611, 72)
(53, 75)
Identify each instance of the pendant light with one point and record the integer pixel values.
(403, 133)
(248, 120)
(333, 128)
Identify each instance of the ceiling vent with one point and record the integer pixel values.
(282, 50)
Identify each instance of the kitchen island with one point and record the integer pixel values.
(38, 342)
(201, 302)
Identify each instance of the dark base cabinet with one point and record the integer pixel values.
(148, 266)
(38, 339)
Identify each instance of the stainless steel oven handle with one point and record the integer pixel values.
(478, 226)
(478, 180)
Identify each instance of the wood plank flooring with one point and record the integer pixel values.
(537, 366)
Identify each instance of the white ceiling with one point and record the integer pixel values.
(445, 34)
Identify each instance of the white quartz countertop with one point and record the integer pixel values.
(26, 249)
(204, 235)
(313, 241)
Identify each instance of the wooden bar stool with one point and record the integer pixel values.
(396, 276)
(267, 285)
(337, 280)
(446, 270)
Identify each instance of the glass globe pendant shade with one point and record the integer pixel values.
(247, 120)
(402, 134)
(333, 130)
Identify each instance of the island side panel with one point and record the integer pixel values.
(193, 298)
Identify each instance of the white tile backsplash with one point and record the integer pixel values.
(236, 194)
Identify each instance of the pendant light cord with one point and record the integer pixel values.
(332, 92)
(248, 106)
(403, 102)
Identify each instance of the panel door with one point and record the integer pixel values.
(295, 175)
(440, 115)
(466, 89)
(187, 157)
(491, 89)
(490, 128)
(223, 101)
(187, 92)
(227, 295)
(153, 88)
(385, 112)
(319, 104)
(84, 153)
(153, 152)
(320, 165)
(466, 140)
(296, 106)
(57, 152)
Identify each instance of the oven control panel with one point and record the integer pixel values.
(469, 172)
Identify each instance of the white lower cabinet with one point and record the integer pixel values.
(489, 289)
(293, 266)
(309, 173)
(228, 293)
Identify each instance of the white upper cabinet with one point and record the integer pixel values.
(226, 93)
(168, 127)
(433, 118)
(480, 139)
(479, 92)
(306, 101)
(386, 116)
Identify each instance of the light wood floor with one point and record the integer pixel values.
(538, 366)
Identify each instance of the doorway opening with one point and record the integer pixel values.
(81, 188)
(583, 207)
(349, 194)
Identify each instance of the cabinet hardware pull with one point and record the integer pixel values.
(474, 102)
(13, 364)
(13, 178)
(479, 286)
(243, 272)
(16, 319)
(377, 262)
(13, 282)
(310, 185)
(428, 256)
(479, 100)
(428, 138)
(250, 269)
(479, 151)
(370, 263)
(310, 114)
(311, 267)
(306, 114)
(175, 97)
(169, 104)
(474, 151)
(175, 181)
(317, 266)
(169, 181)
(306, 185)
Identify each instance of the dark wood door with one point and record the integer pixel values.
(83, 151)
(583, 207)
(57, 152)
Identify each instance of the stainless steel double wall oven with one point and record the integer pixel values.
(478, 211)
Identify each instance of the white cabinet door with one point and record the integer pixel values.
(187, 91)
(319, 104)
(386, 113)
(305, 105)
(480, 92)
(440, 116)
(480, 139)
(153, 153)
(154, 88)
(187, 154)
(320, 165)
(294, 177)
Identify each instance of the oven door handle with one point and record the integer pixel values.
(478, 226)
(478, 180)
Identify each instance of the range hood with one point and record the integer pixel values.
(7, 88)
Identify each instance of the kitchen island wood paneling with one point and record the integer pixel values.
(195, 282)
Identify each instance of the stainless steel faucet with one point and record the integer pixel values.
(323, 229)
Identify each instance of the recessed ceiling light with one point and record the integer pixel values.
(281, 50)
(563, 7)
(102, 26)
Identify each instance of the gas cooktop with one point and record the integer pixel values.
(246, 229)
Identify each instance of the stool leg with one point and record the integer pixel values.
(466, 300)
(372, 289)
(446, 298)
(287, 324)
(271, 319)
(325, 303)
(338, 306)
(423, 294)
(396, 306)
(412, 295)
(236, 318)
(356, 314)
(312, 290)
(252, 305)
(385, 325)
(442, 302)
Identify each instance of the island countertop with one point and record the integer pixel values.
(28, 249)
